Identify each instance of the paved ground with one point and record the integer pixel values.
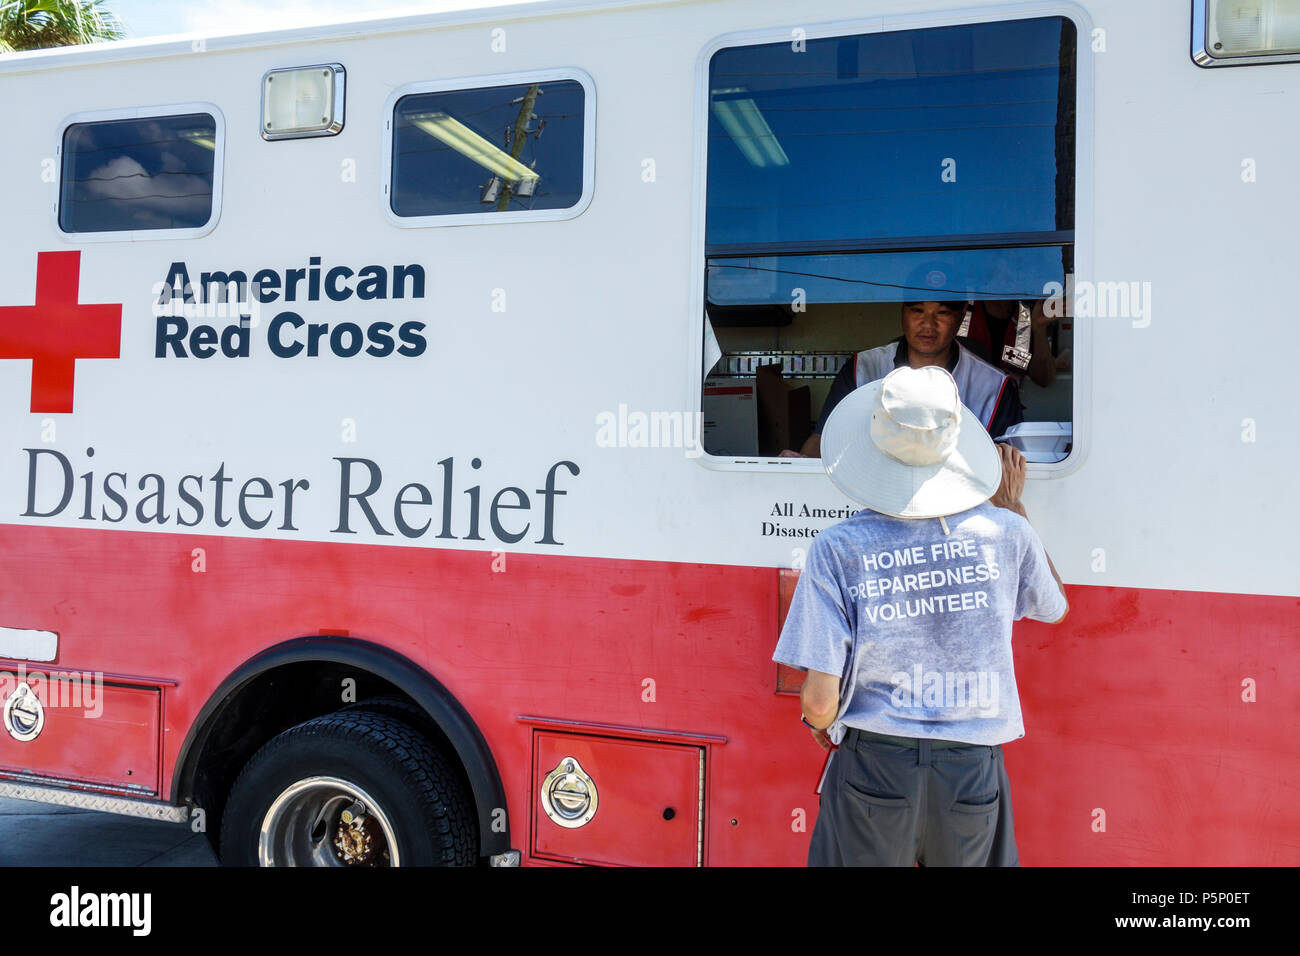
(39, 834)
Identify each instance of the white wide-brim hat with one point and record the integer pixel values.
(906, 446)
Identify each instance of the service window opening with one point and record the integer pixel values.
(853, 178)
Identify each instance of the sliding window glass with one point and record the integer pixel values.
(138, 174)
(521, 149)
(851, 176)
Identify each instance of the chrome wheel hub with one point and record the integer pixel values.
(326, 821)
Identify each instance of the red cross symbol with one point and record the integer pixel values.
(57, 331)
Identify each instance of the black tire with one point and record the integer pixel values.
(399, 708)
(430, 817)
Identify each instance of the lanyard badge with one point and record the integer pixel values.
(1018, 354)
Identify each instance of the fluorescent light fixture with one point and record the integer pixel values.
(200, 137)
(1238, 32)
(302, 101)
(744, 123)
(473, 146)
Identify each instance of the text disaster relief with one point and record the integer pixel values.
(58, 485)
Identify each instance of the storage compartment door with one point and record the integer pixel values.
(613, 801)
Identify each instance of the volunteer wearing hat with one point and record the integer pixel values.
(902, 618)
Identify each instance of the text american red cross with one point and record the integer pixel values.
(57, 330)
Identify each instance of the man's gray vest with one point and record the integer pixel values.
(979, 384)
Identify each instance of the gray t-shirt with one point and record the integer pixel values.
(918, 623)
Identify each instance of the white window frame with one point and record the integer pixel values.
(145, 112)
(487, 81)
(1083, 179)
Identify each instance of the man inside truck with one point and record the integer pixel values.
(929, 338)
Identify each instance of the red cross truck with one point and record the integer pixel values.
(397, 415)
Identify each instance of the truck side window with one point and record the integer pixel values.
(498, 149)
(850, 175)
(127, 175)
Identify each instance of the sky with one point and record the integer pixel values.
(149, 18)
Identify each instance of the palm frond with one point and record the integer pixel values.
(40, 24)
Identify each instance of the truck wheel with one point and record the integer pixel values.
(398, 708)
(351, 788)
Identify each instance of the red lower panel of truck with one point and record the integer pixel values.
(1159, 724)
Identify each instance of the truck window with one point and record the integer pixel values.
(518, 148)
(850, 175)
(144, 173)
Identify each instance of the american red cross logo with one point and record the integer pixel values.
(57, 330)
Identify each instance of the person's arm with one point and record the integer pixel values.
(820, 699)
(1042, 363)
(817, 638)
(1008, 496)
(1020, 510)
(812, 447)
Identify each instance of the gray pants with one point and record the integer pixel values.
(887, 805)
